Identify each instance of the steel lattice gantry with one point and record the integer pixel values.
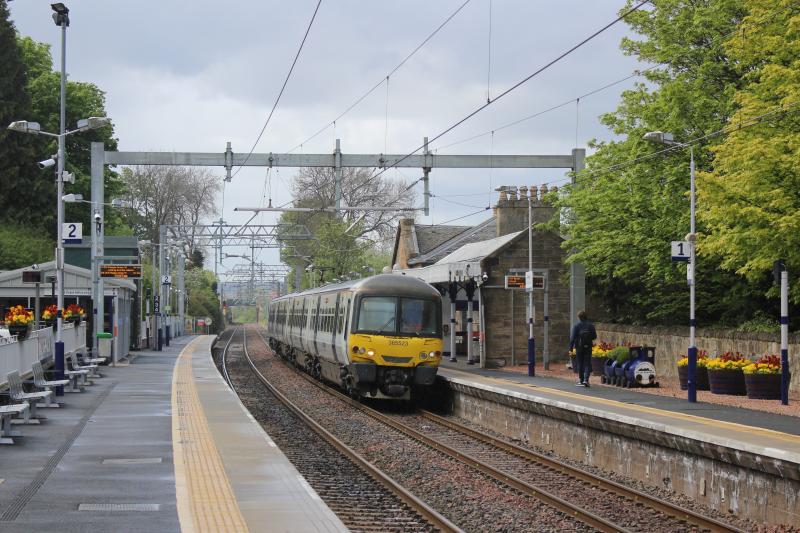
(257, 236)
(337, 160)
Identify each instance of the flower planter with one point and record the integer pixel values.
(21, 331)
(763, 386)
(700, 377)
(598, 365)
(727, 382)
(74, 319)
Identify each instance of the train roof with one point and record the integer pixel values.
(379, 284)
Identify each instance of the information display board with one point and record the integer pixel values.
(515, 282)
(121, 271)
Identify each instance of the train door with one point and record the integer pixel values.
(335, 345)
(342, 326)
(308, 332)
(315, 344)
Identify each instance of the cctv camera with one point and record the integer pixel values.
(47, 163)
(485, 277)
(97, 217)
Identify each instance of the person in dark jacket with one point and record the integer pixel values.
(582, 339)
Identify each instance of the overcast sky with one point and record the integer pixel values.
(189, 76)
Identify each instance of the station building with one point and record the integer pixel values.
(487, 253)
(122, 302)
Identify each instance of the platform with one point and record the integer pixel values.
(725, 456)
(159, 445)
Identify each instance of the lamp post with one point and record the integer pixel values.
(23, 126)
(667, 139)
(529, 288)
(97, 292)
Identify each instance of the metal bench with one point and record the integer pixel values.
(90, 369)
(18, 394)
(7, 412)
(43, 384)
(89, 359)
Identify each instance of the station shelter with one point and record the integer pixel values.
(488, 253)
(119, 295)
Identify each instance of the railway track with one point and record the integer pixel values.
(363, 497)
(600, 503)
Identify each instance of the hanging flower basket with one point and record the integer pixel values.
(73, 313)
(20, 330)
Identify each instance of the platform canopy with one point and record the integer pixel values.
(463, 262)
(77, 281)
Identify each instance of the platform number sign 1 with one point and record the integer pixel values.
(680, 250)
(72, 232)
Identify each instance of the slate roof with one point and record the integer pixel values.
(429, 237)
(484, 231)
(475, 251)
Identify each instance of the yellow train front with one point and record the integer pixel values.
(379, 337)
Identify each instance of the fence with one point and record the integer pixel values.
(38, 346)
(146, 330)
(671, 344)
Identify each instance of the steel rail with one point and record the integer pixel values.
(587, 517)
(427, 512)
(224, 358)
(637, 496)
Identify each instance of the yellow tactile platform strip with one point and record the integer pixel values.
(206, 501)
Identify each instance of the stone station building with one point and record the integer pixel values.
(487, 253)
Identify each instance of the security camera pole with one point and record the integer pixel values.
(61, 18)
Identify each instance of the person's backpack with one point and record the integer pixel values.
(585, 337)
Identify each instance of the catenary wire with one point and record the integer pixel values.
(518, 84)
(384, 78)
(283, 87)
(636, 74)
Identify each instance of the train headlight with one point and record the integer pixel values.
(370, 352)
(423, 355)
(362, 350)
(355, 349)
(432, 354)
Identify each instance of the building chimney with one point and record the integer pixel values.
(512, 214)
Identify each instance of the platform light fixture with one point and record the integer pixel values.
(668, 139)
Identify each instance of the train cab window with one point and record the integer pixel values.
(419, 316)
(378, 314)
(399, 316)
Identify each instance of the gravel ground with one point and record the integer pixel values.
(471, 500)
(360, 502)
(604, 503)
(671, 387)
(659, 492)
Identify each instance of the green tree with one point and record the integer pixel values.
(84, 99)
(17, 154)
(623, 215)
(751, 197)
(203, 301)
(22, 245)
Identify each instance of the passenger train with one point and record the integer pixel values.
(380, 336)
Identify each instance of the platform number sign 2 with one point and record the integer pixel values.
(72, 232)
(166, 280)
(680, 250)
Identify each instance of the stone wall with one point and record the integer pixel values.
(671, 344)
(743, 483)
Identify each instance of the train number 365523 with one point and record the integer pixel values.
(398, 343)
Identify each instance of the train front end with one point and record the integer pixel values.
(395, 344)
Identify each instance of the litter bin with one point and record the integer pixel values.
(104, 341)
